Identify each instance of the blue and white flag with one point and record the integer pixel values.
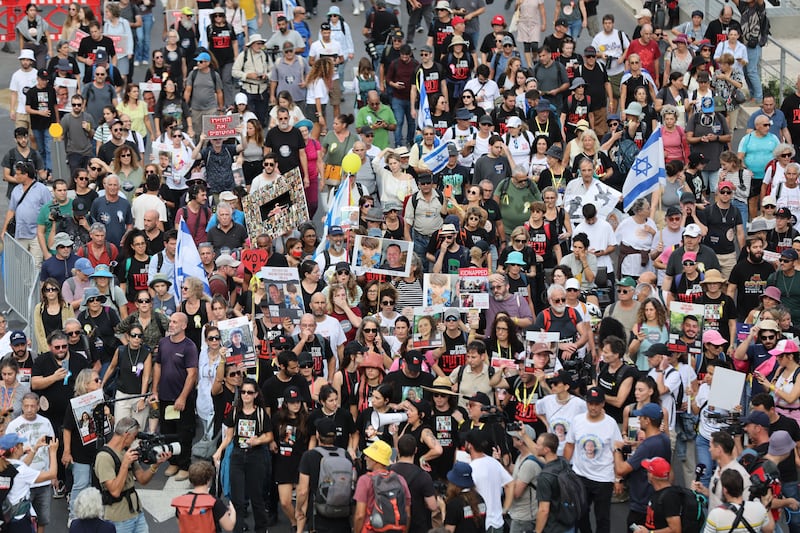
(645, 172)
(424, 112)
(437, 160)
(336, 215)
(187, 262)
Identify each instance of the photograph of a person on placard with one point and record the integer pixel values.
(439, 291)
(275, 295)
(540, 357)
(369, 252)
(236, 344)
(426, 332)
(394, 257)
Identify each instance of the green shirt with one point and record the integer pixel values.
(366, 116)
(44, 217)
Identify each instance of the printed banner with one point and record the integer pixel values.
(387, 257)
(221, 126)
(473, 288)
(277, 208)
(237, 342)
(283, 293)
(82, 408)
(427, 333)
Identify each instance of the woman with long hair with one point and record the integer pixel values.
(508, 78)
(340, 309)
(371, 372)
(330, 408)
(369, 304)
(174, 58)
(366, 81)
(103, 132)
(171, 104)
(675, 94)
(400, 339)
(248, 430)
(345, 380)
(419, 425)
(252, 150)
(310, 281)
(115, 25)
(502, 340)
(76, 454)
(677, 61)
(285, 100)
(394, 182)
(135, 363)
(441, 118)
(346, 279)
(379, 400)
(448, 416)
(86, 16)
(158, 70)
(127, 165)
(650, 328)
(318, 85)
(645, 391)
(557, 174)
(305, 362)
(668, 193)
(469, 103)
(133, 270)
(197, 306)
(313, 149)
(210, 376)
(235, 16)
(602, 164)
(370, 337)
(465, 511)
(386, 313)
(11, 391)
(72, 23)
(785, 387)
(50, 313)
(153, 324)
(292, 433)
(136, 109)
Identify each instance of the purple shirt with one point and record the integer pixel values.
(175, 359)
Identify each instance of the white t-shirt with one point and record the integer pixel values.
(633, 234)
(722, 518)
(21, 81)
(23, 482)
(610, 45)
(601, 235)
(32, 431)
(706, 426)
(485, 93)
(144, 203)
(672, 380)
(332, 330)
(558, 414)
(490, 477)
(317, 89)
(593, 457)
(331, 50)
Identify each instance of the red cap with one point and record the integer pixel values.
(457, 20)
(499, 19)
(726, 183)
(658, 466)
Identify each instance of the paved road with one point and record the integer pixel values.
(157, 495)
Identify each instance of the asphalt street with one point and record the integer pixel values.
(157, 495)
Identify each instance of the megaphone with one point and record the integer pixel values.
(380, 420)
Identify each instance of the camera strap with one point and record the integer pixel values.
(740, 518)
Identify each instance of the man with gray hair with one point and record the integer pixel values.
(227, 233)
(207, 256)
(98, 251)
(118, 473)
(502, 300)
(113, 211)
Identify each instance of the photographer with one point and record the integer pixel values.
(483, 417)
(736, 511)
(721, 449)
(48, 223)
(117, 474)
(18, 499)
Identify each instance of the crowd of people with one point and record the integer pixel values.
(349, 407)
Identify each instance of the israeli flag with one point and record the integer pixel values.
(187, 262)
(646, 171)
(334, 217)
(437, 160)
(424, 113)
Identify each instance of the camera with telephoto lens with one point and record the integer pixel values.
(731, 423)
(55, 213)
(371, 50)
(151, 445)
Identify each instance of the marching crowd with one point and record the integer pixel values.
(505, 150)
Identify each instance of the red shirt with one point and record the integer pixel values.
(648, 53)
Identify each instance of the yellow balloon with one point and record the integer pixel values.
(55, 129)
(351, 163)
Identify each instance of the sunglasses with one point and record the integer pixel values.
(519, 240)
(72, 333)
(307, 365)
(439, 395)
(76, 105)
(726, 192)
(93, 300)
(768, 337)
(451, 319)
(786, 156)
(346, 272)
(573, 290)
(367, 205)
(387, 302)
(689, 263)
(266, 165)
(50, 289)
(623, 291)
(96, 169)
(248, 392)
(60, 347)
(235, 373)
(370, 330)
(144, 300)
(769, 206)
(784, 260)
(558, 300)
(82, 178)
(135, 335)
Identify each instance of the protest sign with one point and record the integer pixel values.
(221, 126)
(426, 333)
(542, 361)
(237, 341)
(276, 208)
(440, 289)
(282, 293)
(82, 409)
(473, 288)
(382, 256)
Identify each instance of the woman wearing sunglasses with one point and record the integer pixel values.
(224, 389)
(134, 361)
(248, 430)
(98, 322)
(154, 325)
(50, 313)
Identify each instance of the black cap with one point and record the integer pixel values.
(282, 343)
(326, 427)
(658, 348)
(562, 376)
(42, 74)
(354, 347)
(425, 177)
(783, 212)
(292, 394)
(688, 198)
(413, 359)
(673, 210)
(562, 22)
(342, 266)
(696, 158)
(305, 358)
(481, 398)
(325, 26)
(590, 51)
(595, 395)
(79, 207)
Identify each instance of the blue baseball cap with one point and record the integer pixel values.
(336, 230)
(17, 337)
(203, 56)
(650, 410)
(10, 440)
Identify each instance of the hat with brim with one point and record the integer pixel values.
(402, 151)
(780, 443)
(372, 360)
(375, 214)
(713, 276)
(102, 271)
(90, 293)
(772, 292)
(457, 39)
(769, 325)
(380, 452)
(334, 10)
(515, 258)
(255, 38)
(461, 475)
(577, 82)
(441, 385)
(62, 239)
(159, 278)
(64, 65)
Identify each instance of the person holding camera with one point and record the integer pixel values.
(117, 468)
(12, 451)
(51, 218)
(736, 513)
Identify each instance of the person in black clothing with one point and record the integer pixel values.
(777, 422)
(288, 375)
(420, 484)
(409, 377)
(664, 508)
(346, 434)
(40, 104)
(616, 378)
(309, 481)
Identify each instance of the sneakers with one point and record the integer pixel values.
(182, 475)
(145, 62)
(136, 62)
(171, 470)
(59, 490)
(356, 12)
(420, 29)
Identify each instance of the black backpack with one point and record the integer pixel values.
(571, 502)
(108, 499)
(693, 509)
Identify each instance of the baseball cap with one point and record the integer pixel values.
(725, 183)
(688, 198)
(696, 158)
(627, 281)
(783, 212)
(572, 283)
(203, 56)
(658, 348)
(498, 20)
(42, 74)
(325, 26)
(10, 440)
(595, 395)
(768, 200)
(525, 428)
(672, 211)
(17, 337)
(240, 99)
(485, 119)
(789, 253)
(784, 346)
(481, 398)
(336, 230)
(650, 410)
(541, 347)
(426, 48)
(590, 51)
(689, 256)
(227, 260)
(692, 230)
(354, 347)
(697, 13)
(713, 337)
(413, 360)
(759, 418)
(292, 394)
(514, 122)
(562, 376)
(561, 22)
(85, 266)
(80, 207)
(326, 427)
(657, 466)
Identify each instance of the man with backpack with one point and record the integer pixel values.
(198, 510)
(526, 474)
(203, 93)
(420, 484)
(664, 508)
(736, 511)
(316, 505)
(383, 500)
(552, 515)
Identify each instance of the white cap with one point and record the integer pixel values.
(768, 200)
(514, 122)
(240, 99)
(692, 230)
(27, 54)
(572, 283)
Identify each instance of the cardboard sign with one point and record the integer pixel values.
(75, 43)
(254, 259)
(221, 126)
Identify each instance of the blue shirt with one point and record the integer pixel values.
(639, 489)
(778, 122)
(58, 269)
(27, 212)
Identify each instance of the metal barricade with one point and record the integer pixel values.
(20, 281)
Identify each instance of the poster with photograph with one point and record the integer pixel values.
(283, 292)
(150, 92)
(277, 208)
(603, 197)
(387, 257)
(542, 361)
(473, 288)
(82, 408)
(65, 88)
(426, 332)
(685, 329)
(237, 341)
(440, 289)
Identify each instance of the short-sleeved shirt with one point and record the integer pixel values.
(105, 470)
(58, 394)
(640, 490)
(526, 470)
(420, 485)
(665, 503)
(365, 494)
(247, 425)
(547, 491)
(204, 94)
(175, 359)
(115, 216)
(26, 210)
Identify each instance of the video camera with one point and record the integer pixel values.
(731, 422)
(151, 445)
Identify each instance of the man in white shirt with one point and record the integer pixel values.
(611, 45)
(590, 447)
(722, 453)
(327, 326)
(667, 378)
(490, 478)
(602, 240)
(559, 408)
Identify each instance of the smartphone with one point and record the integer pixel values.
(48, 439)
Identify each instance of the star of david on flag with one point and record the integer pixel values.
(645, 171)
(437, 159)
(424, 112)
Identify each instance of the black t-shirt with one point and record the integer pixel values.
(100, 330)
(787, 468)
(220, 42)
(610, 383)
(750, 280)
(445, 429)
(247, 425)
(58, 394)
(460, 515)
(718, 32)
(722, 227)
(664, 504)
(223, 404)
(718, 312)
(493, 210)
(432, 77)
(88, 49)
(286, 146)
(273, 389)
(309, 466)
(595, 79)
(778, 241)
(134, 273)
(402, 383)
(131, 365)
(420, 485)
(344, 425)
(84, 453)
(106, 152)
(39, 100)
(440, 31)
(455, 353)
(523, 403)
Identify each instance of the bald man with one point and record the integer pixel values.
(174, 381)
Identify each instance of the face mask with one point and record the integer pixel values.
(297, 253)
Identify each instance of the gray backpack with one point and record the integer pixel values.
(336, 484)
